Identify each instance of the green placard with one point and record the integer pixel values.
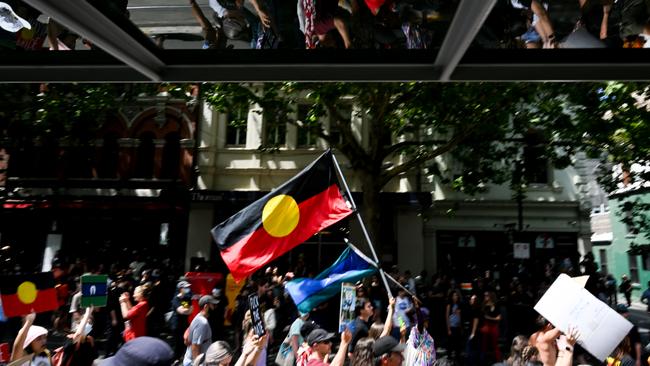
(94, 290)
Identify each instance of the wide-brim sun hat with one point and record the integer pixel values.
(34, 332)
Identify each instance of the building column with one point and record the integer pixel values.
(199, 241)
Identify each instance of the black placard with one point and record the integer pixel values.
(256, 314)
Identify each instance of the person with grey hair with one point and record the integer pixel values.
(220, 354)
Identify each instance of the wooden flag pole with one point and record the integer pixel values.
(363, 226)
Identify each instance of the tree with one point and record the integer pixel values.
(482, 126)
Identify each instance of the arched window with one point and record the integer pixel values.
(109, 158)
(144, 159)
(171, 156)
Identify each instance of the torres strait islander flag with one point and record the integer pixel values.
(282, 219)
(24, 294)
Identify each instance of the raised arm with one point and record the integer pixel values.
(125, 304)
(252, 351)
(388, 324)
(17, 351)
(339, 359)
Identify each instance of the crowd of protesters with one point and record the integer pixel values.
(363, 24)
(477, 316)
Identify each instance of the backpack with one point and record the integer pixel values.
(235, 28)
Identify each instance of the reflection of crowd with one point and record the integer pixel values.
(570, 24)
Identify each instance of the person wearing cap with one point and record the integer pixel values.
(142, 351)
(633, 335)
(321, 344)
(30, 344)
(181, 307)
(388, 351)
(199, 335)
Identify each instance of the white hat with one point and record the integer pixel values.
(11, 22)
(34, 332)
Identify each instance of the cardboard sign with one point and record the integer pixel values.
(566, 304)
(256, 315)
(521, 250)
(94, 290)
(348, 303)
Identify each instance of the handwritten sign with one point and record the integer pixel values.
(256, 315)
(566, 304)
(348, 303)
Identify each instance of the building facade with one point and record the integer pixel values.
(429, 225)
(124, 190)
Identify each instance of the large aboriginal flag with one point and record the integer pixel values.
(24, 294)
(282, 219)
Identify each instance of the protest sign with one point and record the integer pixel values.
(348, 303)
(256, 314)
(566, 304)
(521, 250)
(94, 290)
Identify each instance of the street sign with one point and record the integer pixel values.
(94, 290)
(521, 250)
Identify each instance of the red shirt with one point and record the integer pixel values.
(137, 321)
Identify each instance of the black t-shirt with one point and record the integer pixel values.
(360, 331)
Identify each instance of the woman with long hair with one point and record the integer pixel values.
(490, 328)
(516, 357)
(363, 355)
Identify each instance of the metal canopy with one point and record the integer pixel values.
(130, 57)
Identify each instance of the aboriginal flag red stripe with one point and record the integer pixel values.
(45, 294)
(246, 245)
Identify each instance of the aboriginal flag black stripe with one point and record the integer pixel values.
(282, 219)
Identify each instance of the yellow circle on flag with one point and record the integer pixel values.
(27, 292)
(280, 215)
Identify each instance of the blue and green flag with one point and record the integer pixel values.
(307, 293)
(94, 290)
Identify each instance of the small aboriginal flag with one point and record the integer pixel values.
(24, 294)
(94, 290)
(282, 219)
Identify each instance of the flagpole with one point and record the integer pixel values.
(363, 226)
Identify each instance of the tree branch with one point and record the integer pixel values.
(387, 175)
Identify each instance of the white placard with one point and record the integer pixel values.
(566, 304)
(521, 250)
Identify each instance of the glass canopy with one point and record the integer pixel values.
(263, 40)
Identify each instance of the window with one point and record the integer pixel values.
(171, 156)
(603, 261)
(276, 133)
(109, 159)
(628, 219)
(236, 127)
(145, 156)
(535, 162)
(634, 267)
(306, 138)
(645, 261)
(345, 112)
